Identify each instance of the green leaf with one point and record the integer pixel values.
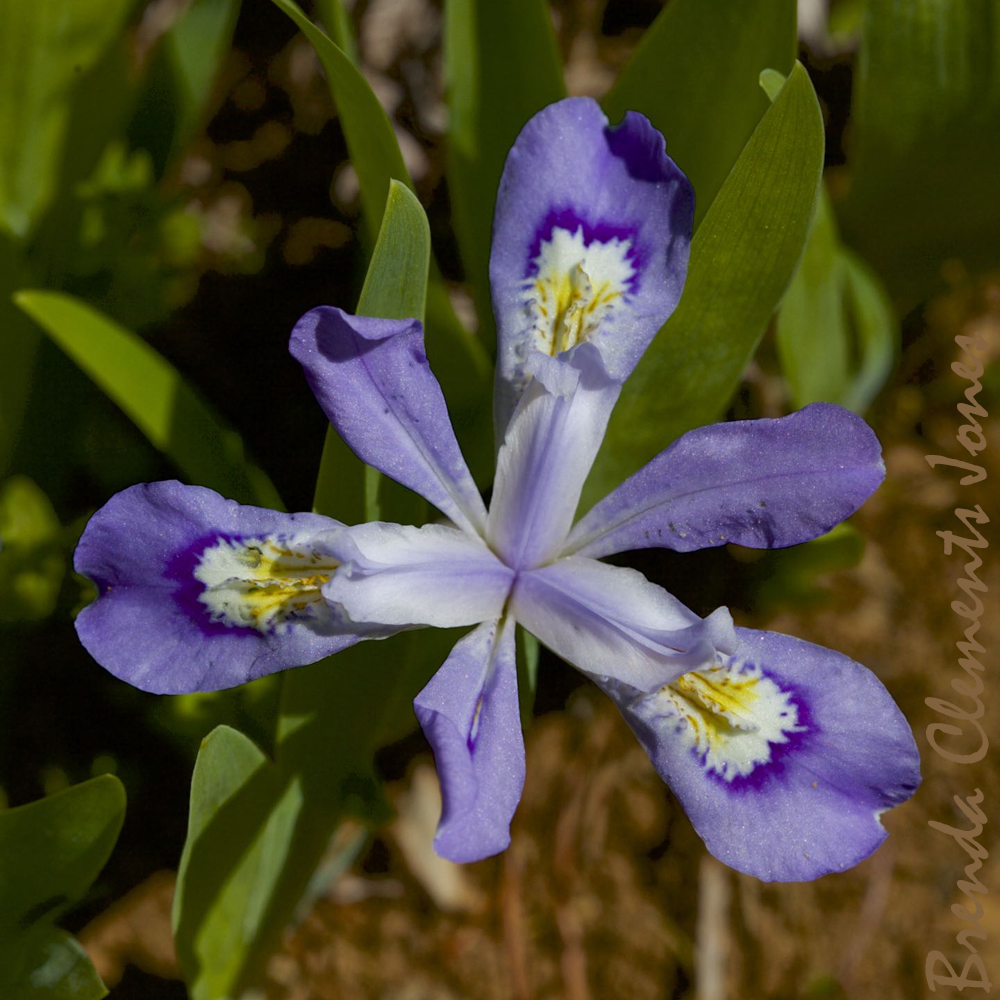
(458, 359)
(832, 300)
(32, 564)
(501, 66)
(836, 333)
(925, 126)
(742, 258)
(240, 829)
(694, 75)
(396, 283)
(812, 333)
(337, 22)
(153, 395)
(50, 853)
(51, 850)
(45, 48)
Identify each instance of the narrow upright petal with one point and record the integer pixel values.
(759, 483)
(590, 241)
(397, 574)
(372, 379)
(469, 714)
(550, 445)
(783, 755)
(611, 622)
(197, 593)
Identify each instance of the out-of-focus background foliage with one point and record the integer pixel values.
(174, 175)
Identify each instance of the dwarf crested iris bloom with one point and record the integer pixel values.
(784, 754)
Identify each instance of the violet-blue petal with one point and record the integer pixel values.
(547, 452)
(395, 574)
(807, 750)
(609, 621)
(469, 714)
(590, 241)
(197, 593)
(372, 380)
(759, 483)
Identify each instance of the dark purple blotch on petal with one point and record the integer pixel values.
(574, 220)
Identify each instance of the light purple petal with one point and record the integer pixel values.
(198, 593)
(550, 445)
(396, 574)
(372, 379)
(807, 750)
(591, 209)
(609, 621)
(759, 483)
(470, 716)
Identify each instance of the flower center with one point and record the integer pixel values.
(731, 715)
(575, 285)
(262, 583)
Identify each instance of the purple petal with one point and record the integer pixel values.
(372, 379)
(590, 241)
(784, 756)
(396, 574)
(609, 621)
(470, 716)
(759, 483)
(547, 452)
(198, 593)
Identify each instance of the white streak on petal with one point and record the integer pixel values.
(436, 575)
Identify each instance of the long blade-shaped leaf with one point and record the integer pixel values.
(811, 331)
(836, 332)
(153, 395)
(695, 76)
(502, 65)
(240, 830)
(742, 258)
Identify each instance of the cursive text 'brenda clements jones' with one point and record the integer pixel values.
(963, 740)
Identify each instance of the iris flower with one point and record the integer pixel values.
(783, 753)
